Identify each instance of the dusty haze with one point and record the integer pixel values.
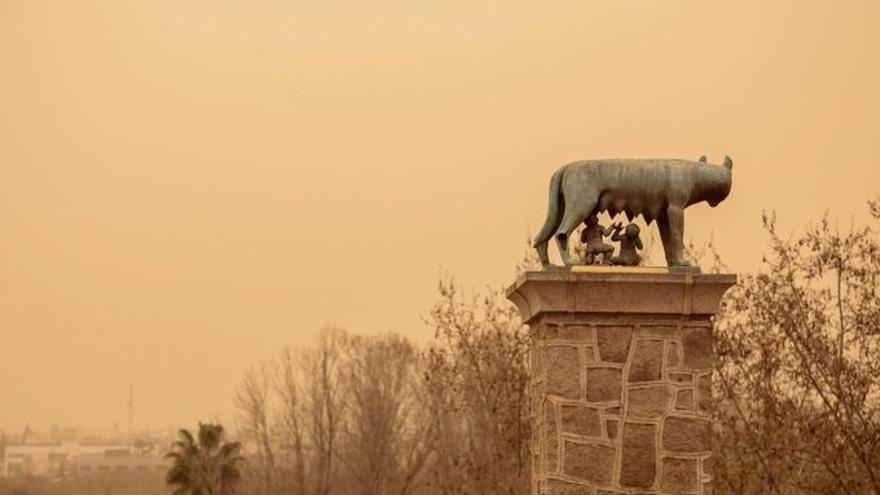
(185, 187)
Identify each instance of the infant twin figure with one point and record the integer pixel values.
(592, 238)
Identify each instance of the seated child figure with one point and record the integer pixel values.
(629, 242)
(592, 236)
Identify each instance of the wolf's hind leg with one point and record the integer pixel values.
(576, 211)
(542, 253)
(663, 226)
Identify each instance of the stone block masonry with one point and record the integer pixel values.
(620, 388)
(623, 424)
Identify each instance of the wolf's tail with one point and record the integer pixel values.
(555, 208)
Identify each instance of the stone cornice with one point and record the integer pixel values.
(620, 290)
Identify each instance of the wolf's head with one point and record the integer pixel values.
(712, 182)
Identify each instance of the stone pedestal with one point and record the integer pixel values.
(621, 378)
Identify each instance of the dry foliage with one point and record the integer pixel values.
(345, 416)
(477, 376)
(798, 347)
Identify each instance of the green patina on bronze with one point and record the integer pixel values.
(657, 189)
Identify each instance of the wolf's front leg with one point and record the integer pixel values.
(673, 238)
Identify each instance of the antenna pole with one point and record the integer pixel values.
(131, 417)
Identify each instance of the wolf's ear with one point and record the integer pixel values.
(728, 163)
(703, 158)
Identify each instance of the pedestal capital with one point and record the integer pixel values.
(618, 290)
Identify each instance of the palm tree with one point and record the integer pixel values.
(206, 467)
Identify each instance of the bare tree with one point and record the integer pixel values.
(291, 424)
(321, 368)
(387, 440)
(798, 359)
(253, 402)
(479, 370)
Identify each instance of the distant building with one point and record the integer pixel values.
(74, 459)
(91, 464)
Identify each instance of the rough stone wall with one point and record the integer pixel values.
(621, 408)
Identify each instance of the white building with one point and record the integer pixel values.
(73, 458)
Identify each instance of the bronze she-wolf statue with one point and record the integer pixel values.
(657, 189)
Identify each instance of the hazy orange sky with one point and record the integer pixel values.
(186, 187)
